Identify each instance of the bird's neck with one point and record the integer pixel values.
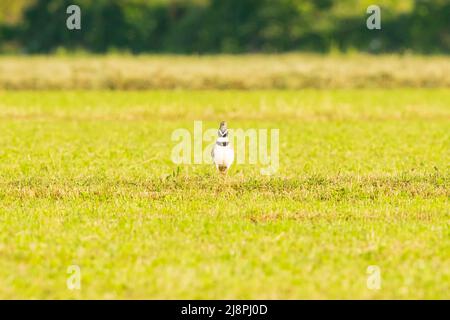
(222, 141)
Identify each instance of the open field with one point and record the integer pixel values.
(286, 71)
(86, 179)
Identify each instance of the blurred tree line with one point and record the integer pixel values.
(231, 26)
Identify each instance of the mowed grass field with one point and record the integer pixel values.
(86, 179)
(224, 72)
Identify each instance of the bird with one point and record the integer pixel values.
(222, 153)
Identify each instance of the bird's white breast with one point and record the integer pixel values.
(223, 155)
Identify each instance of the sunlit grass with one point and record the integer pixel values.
(283, 71)
(86, 179)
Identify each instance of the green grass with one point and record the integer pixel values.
(86, 179)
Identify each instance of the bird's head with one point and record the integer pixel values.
(223, 130)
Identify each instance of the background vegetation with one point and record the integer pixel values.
(287, 71)
(212, 26)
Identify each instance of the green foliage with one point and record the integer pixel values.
(231, 26)
(10, 11)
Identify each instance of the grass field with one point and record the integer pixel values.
(86, 179)
(252, 71)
